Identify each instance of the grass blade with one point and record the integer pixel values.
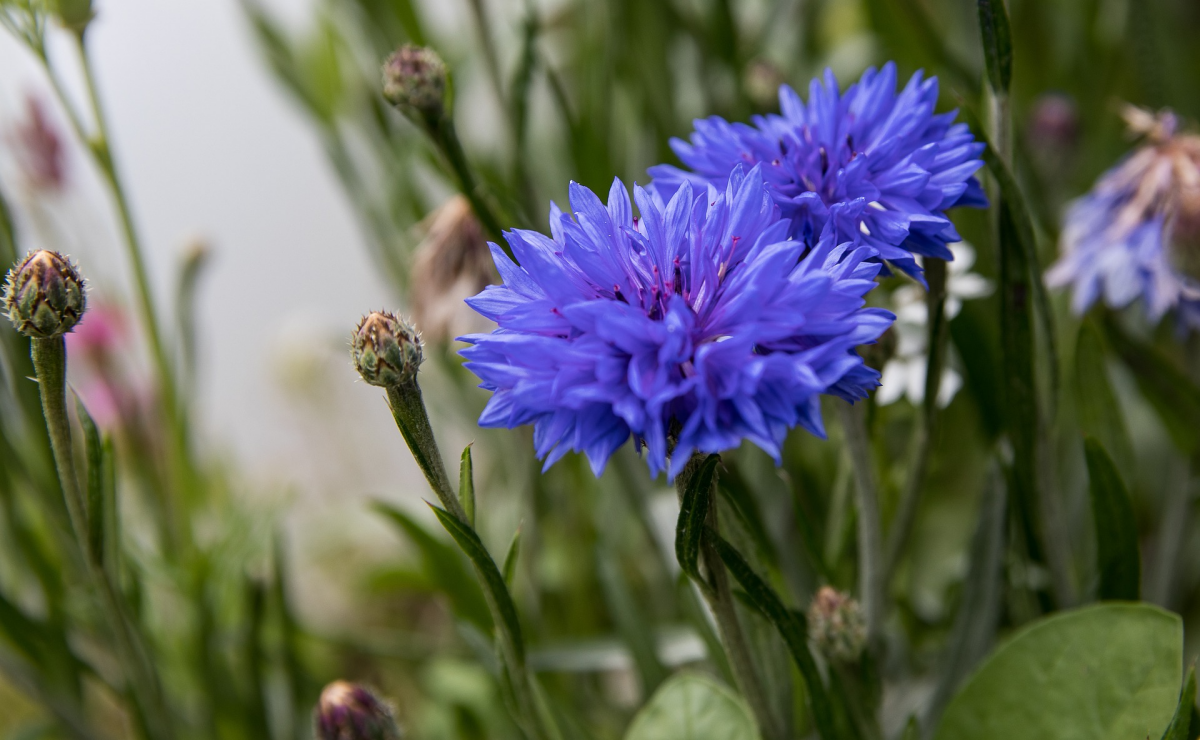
(997, 44)
(95, 502)
(510, 559)
(1099, 412)
(466, 485)
(693, 510)
(1180, 723)
(1117, 557)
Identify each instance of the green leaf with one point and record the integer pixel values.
(1173, 395)
(444, 568)
(94, 454)
(997, 44)
(690, 706)
(1104, 672)
(1117, 558)
(510, 558)
(792, 629)
(466, 485)
(500, 601)
(1178, 729)
(692, 512)
(1099, 412)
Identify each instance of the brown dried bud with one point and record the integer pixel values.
(451, 264)
(386, 350)
(347, 711)
(836, 624)
(414, 80)
(44, 295)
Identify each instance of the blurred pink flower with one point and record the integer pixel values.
(101, 332)
(38, 147)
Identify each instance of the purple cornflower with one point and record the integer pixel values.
(1137, 233)
(694, 326)
(889, 151)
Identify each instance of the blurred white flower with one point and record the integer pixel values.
(904, 373)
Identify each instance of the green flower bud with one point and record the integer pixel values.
(386, 350)
(348, 711)
(44, 295)
(73, 14)
(415, 80)
(837, 625)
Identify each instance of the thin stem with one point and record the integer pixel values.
(870, 537)
(906, 515)
(446, 137)
(488, 44)
(50, 364)
(408, 409)
(101, 146)
(720, 600)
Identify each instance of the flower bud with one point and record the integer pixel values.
(73, 14)
(347, 711)
(451, 264)
(414, 80)
(386, 350)
(836, 624)
(44, 295)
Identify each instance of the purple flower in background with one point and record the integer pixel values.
(872, 145)
(698, 323)
(1136, 235)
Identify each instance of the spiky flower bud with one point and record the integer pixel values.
(44, 295)
(836, 624)
(386, 350)
(347, 711)
(414, 80)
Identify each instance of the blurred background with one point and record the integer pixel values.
(255, 131)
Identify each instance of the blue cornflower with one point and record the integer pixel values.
(887, 150)
(696, 325)
(1136, 235)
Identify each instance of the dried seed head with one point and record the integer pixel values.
(451, 265)
(44, 295)
(414, 80)
(347, 711)
(836, 624)
(386, 350)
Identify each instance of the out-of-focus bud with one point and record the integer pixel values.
(762, 80)
(836, 624)
(44, 295)
(38, 148)
(1052, 132)
(73, 14)
(451, 264)
(415, 81)
(347, 711)
(386, 350)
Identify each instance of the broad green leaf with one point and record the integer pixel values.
(792, 629)
(444, 568)
(499, 600)
(1117, 559)
(466, 485)
(1180, 723)
(997, 43)
(1104, 672)
(693, 510)
(690, 706)
(1099, 412)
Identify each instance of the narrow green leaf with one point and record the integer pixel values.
(792, 629)
(1168, 389)
(1099, 412)
(466, 485)
(630, 617)
(94, 455)
(490, 579)
(444, 568)
(690, 706)
(1117, 558)
(1103, 672)
(693, 510)
(997, 44)
(1181, 722)
(254, 658)
(510, 558)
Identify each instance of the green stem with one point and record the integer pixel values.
(870, 537)
(446, 136)
(50, 364)
(720, 600)
(906, 515)
(408, 409)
